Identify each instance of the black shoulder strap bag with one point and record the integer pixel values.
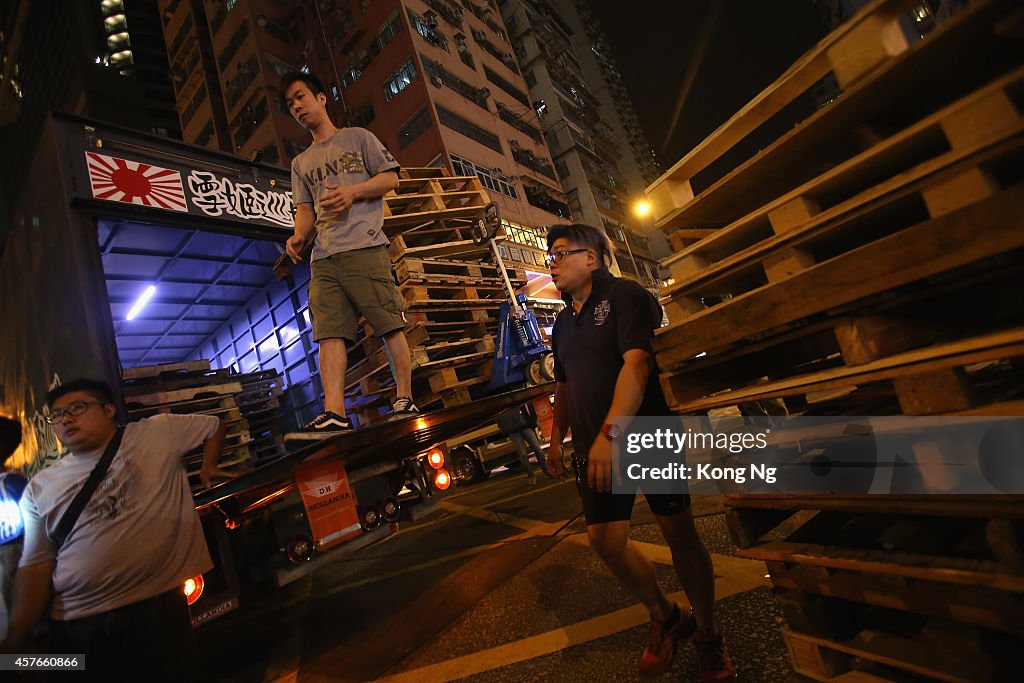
(74, 511)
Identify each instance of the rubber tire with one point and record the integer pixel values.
(535, 373)
(547, 367)
(466, 465)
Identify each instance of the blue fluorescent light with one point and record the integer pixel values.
(141, 302)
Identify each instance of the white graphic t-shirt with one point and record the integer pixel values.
(139, 536)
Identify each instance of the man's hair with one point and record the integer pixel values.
(585, 236)
(311, 81)
(99, 390)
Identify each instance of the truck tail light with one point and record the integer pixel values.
(194, 589)
(436, 458)
(443, 480)
(390, 509)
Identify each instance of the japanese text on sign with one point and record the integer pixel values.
(217, 196)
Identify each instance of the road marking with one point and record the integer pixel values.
(529, 526)
(727, 585)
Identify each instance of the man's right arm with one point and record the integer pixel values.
(559, 428)
(305, 225)
(33, 587)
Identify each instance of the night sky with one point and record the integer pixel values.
(752, 44)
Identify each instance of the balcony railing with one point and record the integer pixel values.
(531, 161)
(518, 123)
(542, 199)
(236, 87)
(436, 71)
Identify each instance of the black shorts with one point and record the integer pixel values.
(601, 508)
(150, 640)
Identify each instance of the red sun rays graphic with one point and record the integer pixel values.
(132, 182)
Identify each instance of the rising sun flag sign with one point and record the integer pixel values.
(131, 182)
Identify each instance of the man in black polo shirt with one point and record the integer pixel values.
(604, 368)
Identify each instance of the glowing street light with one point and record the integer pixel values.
(642, 208)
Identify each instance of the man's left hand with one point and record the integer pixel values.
(208, 474)
(599, 465)
(338, 197)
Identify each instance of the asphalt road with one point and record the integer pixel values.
(499, 585)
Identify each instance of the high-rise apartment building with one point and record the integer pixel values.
(435, 80)
(64, 59)
(586, 118)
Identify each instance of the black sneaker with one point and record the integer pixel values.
(324, 425)
(404, 406)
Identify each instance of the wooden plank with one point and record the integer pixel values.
(904, 653)
(915, 566)
(983, 229)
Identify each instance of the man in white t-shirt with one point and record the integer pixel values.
(116, 582)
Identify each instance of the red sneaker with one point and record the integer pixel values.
(661, 644)
(713, 659)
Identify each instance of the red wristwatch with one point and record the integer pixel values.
(612, 432)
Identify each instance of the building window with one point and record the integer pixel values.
(193, 106)
(350, 76)
(512, 90)
(429, 33)
(361, 116)
(414, 127)
(531, 79)
(335, 93)
(388, 31)
(450, 119)
(230, 5)
(241, 33)
(399, 80)
(464, 167)
(275, 30)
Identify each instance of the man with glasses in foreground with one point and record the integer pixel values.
(116, 576)
(604, 369)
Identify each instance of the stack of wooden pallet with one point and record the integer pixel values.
(258, 403)
(246, 403)
(868, 262)
(451, 290)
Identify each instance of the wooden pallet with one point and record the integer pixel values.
(157, 370)
(951, 548)
(170, 381)
(375, 371)
(440, 294)
(166, 401)
(823, 660)
(984, 226)
(412, 267)
(936, 379)
(432, 245)
(879, 73)
(835, 209)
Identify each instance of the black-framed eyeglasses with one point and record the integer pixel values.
(74, 409)
(557, 256)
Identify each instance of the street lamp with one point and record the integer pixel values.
(642, 208)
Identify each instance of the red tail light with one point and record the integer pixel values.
(443, 480)
(436, 458)
(194, 589)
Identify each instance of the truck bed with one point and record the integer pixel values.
(378, 444)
